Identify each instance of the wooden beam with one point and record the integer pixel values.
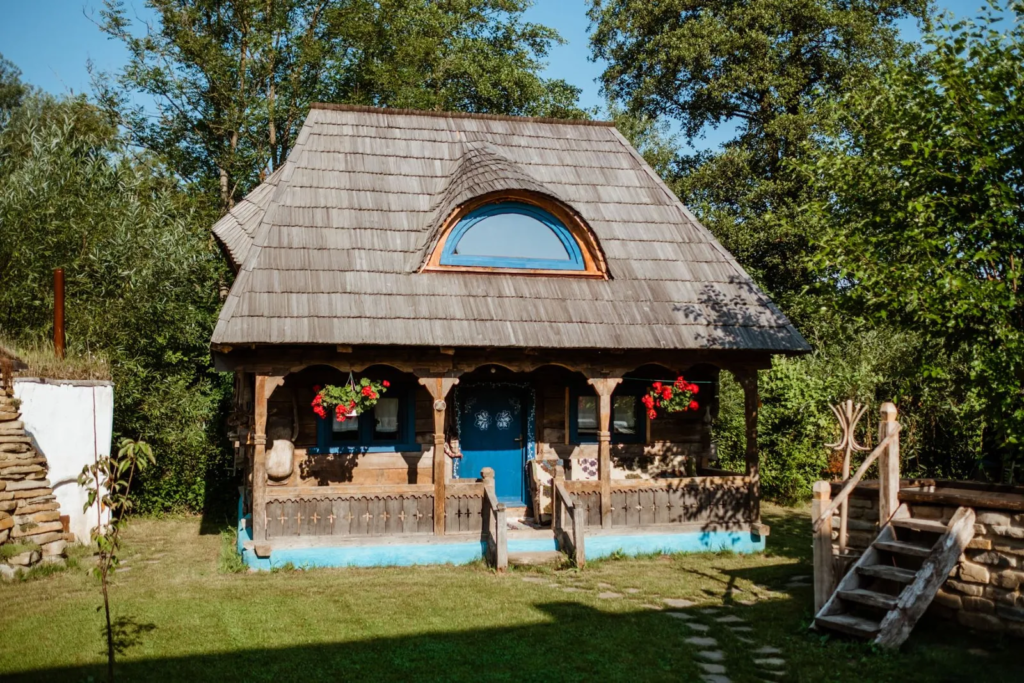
(439, 388)
(888, 464)
(605, 387)
(751, 406)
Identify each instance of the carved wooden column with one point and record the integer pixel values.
(439, 388)
(605, 386)
(751, 405)
(265, 385)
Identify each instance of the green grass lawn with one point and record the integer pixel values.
(187, 619)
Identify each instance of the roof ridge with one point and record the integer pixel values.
(366, 109)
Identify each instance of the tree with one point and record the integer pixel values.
(109, 481)
(763, 66)
(142, 276)
(11, 87)
(919, 205)
(233, 80)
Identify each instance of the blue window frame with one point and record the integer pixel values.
(512, 235)
(389, 427)
(629, 421)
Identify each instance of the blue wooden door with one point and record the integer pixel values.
(491, 435)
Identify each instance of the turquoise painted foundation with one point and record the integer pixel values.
(464, 552)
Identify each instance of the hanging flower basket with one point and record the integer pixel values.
(670, 398)
(349, 399)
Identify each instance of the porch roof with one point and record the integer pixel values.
(329, 249)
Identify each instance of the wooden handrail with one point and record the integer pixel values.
(855, 479)
(562, 503)
(567, 500)
(494, 512)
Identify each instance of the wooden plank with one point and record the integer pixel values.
(342, 510)
(291, 524)
(501, 538)
(852, 580)
(618, 513)
(662, 512)
(324, 509)
(862, 596)
(849, 624)
(359, 508)
(887, 572)
(888, 464)
(646, 502)
(968, 497)
(342, 491)
(915, 598)
(903, 548)
(407, 516)
(274, 526)
(926, 525)
(632, 508)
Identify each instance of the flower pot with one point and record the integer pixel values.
(352, 413)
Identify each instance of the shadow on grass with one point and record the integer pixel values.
(569, 641)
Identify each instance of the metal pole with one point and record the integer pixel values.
(58, 312)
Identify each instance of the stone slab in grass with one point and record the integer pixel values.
(679, 603)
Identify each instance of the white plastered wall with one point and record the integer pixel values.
(70, 422)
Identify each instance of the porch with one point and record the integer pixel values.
(486, 454)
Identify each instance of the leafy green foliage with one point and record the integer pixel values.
(764, 68)
(142, 277)
(233, 81)
(920, 217)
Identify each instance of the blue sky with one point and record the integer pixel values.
(51, 41)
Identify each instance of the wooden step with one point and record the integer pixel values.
(535, 558)
(881, 571)
(904, 548)
(870, 598)
(849, 624)
(929, 525)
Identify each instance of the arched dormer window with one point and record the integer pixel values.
(518, 233)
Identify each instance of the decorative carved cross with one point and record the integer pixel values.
(401, 515)
(367, 516)
(315, 518)
(282, 518)
(385, 516)
(331, 518)
(349, 517)
(418, 515)
(298, 518)
(638, 506)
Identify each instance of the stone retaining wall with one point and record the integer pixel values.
(29, 512)
(985, 591)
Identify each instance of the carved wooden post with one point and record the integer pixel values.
(888, 465)
(751, 405)
(265, 385)
(605, 386)
(823, 568)
(557, 509)
(438, 388)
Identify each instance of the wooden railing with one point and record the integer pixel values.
(823, 506)
(568, 522)
(495, 524)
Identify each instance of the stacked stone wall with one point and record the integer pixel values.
(29, 512)
(985, 590)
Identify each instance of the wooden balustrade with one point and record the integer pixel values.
(568, 522)
(823, 507)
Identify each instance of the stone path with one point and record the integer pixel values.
(705, 626)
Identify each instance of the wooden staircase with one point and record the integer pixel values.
(891, 585)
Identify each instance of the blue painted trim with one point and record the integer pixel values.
(450, 258)
(378, 555)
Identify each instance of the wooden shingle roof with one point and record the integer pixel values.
(330, 246)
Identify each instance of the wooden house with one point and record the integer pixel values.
(520, 283)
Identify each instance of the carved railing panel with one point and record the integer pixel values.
(351, 516)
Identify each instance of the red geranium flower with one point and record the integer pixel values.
(652, 414)
(657, 387)
(693, 405)
(666, 393)
(317, 388)
(386, 384)
(693, 389)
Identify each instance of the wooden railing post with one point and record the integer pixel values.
(501, 538)
(824, 580)
(888, 465)
(605, 386)
(751, 406)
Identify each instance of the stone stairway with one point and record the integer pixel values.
(29, 512)
(891, 585)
